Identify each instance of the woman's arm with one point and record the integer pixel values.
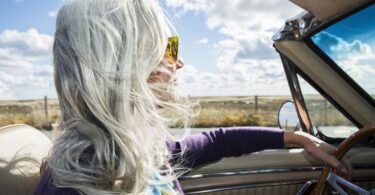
(211, 146)
(46, 186)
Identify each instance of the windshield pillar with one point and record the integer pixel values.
(297, 95)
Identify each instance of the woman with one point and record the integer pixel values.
(115, 75)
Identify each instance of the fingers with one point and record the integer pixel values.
(323, 155)
(321, 150)
(343, 168)
(344, 162)
(342, 171)
(340, 167)
(348, 167)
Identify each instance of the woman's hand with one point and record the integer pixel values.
(319, 150)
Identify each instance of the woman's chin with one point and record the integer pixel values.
(167, 96)
(170, 97)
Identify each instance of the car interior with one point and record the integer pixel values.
(285, 171)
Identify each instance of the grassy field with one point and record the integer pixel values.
(214, 111)
(238, 111)
(31, 112)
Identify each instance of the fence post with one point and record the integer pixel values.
(46, 109)
(256, 103)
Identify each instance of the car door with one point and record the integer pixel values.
(330, 102)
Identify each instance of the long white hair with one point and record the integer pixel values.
(112, 126)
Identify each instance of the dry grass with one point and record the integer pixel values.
(29, 112)
(214, 112)
(322, 113)
(238, 111)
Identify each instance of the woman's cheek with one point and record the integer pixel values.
(162, 86)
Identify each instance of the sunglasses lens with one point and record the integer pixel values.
(171, 52)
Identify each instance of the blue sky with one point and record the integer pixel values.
(26, 14)
(227, 49)
(193, 33)
(351, 44)
(359, 26)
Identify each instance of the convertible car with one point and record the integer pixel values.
(328, 49)
(322, 49)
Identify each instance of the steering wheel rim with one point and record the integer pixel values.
(343, 148)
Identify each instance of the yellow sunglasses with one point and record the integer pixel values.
(171, 53)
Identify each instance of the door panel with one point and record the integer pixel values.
(271, 189)
(265, 172)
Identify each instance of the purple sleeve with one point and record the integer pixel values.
(211, 146)
(46, 187)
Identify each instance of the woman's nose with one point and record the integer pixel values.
(179, 63)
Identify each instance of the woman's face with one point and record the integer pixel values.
(164, 78)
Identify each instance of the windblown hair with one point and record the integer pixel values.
(113, 132)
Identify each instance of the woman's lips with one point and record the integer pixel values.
(175, 82)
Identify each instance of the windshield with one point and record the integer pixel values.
(350, 43)
(324, 116)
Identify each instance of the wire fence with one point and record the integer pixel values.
(214, 111)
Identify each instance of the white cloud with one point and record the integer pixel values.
(25, 70)
(247, 61)
(187, 5)
(238, 81)
(202, 41)
(30, 45)
(253, 14)
(53, 13)
(359, 64)
(356, 57)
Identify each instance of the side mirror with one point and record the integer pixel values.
(287, 116)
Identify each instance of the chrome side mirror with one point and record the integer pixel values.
(287, 116)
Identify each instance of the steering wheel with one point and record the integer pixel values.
(328, 176)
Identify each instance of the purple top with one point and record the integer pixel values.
(200, 149)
